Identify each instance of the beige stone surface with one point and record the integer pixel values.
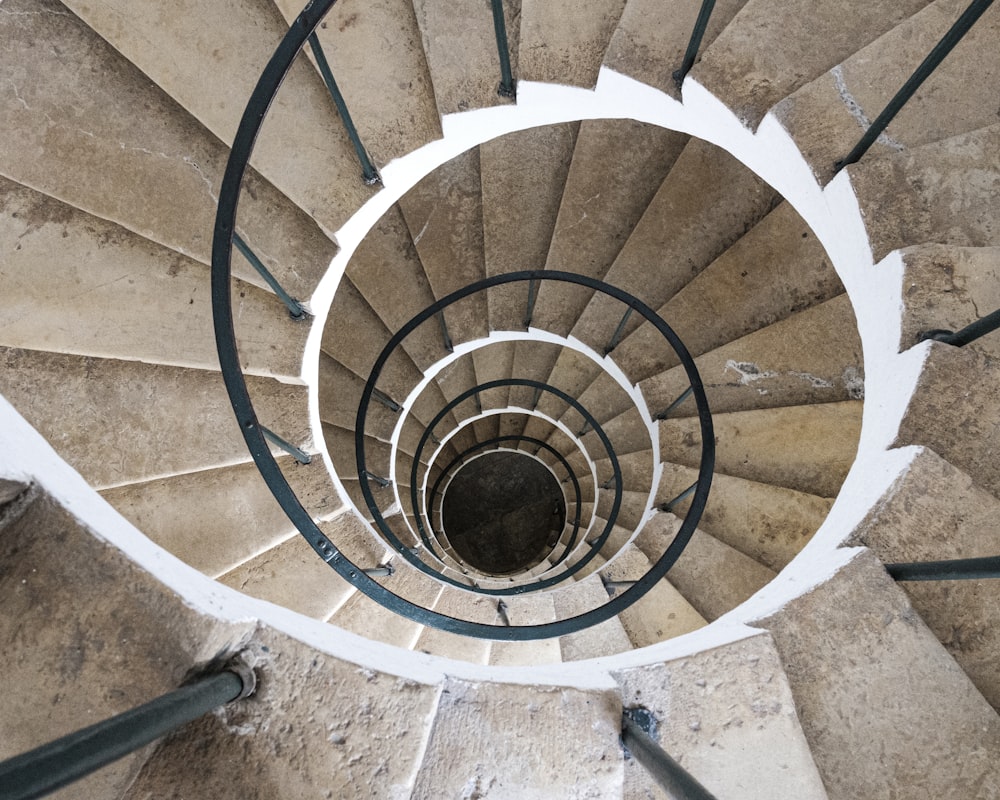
(812, 357)
(952, 412)
(534, 608)
(628, 434)
(73, 102)
(636, 469)
(770, 524)
(533, 361)
(392, 105)
(237, 517)
(523, 177)
(948, 288)
(494, 362)
(564, 42)
(754, 62)
(618, 165)
(828, 116)
(129, 422)
(461, 51)
(662, 613)
(705, 204)
(805, 448)
(775, 270)
(386, 270)
(727, 715)
(651, 38)
(863, 668)
(460, 604)
(317, 726)
(303, 147)
(602, 639)
(714, 577)
(74, 283)
(605, 398)
(75, 653)
(572, 373)
(339, 395)
(630, 513)
(935, 512)
(465, 757)
(943, 192)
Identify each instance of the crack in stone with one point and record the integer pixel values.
(854, 107)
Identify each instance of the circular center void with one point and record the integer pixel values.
(503, 513)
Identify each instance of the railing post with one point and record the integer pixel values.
(297, 453)
(959, 569)
(295, 308)
(638, 730)
(506, 87)
(969, 333)
(684, 396)
(922, 73)
(616, 337)
(63, 761)
(697, 34)
(368, 172)
(670, 504)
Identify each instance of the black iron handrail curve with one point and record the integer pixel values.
(520, 438)
(222, 242)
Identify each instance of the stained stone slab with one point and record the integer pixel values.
(523, 178)
(805, 448)
(777, 269)
(812, 357)
(618, 165)
(460, 604)
(461, 51)
(727, 715)
(754, 63)
(78, 284)
(527, 609)
(131, 422)
(952, 412)
(827, 117)
(943, 192)
(770, 524)
(237, 516)
(864, 668)
(303, 147)
(948, 288)
(562, 42)
(73, 104)
(317, 726)
(444, 213)
(935, 512)
(651, 38)
(392, 105)
(599, 640)
(525, 767)
(714, 577)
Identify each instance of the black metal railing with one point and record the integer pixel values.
(639, 738)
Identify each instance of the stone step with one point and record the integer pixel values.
(122, 422)
(457, 764)
(637, 470)
(770, 524)
(386, 270)
(293, 575)
(75, 652)
(727, 715)
(864, 668)
(216, 519)
(73, 104)
(618, 165)
(523, 178)
(777, 269)
(712, 576)
(494, 362)
(461, 52)
(628, 434)
(604, 398)
(943, 193)
(465, 605)
(947, 287)
(754, 62)
(827, 116)
(662, 613)
(805, 448)
(650, 40)
(444, 213)
(572, 373)
(392, 105)
(935, 512)
(302, 118)
(705, 204)
(631, 510)
(602, 639)
(80, 285)
(811, 357)
(952, 412)
(561, 44)
(527, 609)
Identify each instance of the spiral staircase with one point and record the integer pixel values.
(777, 656)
